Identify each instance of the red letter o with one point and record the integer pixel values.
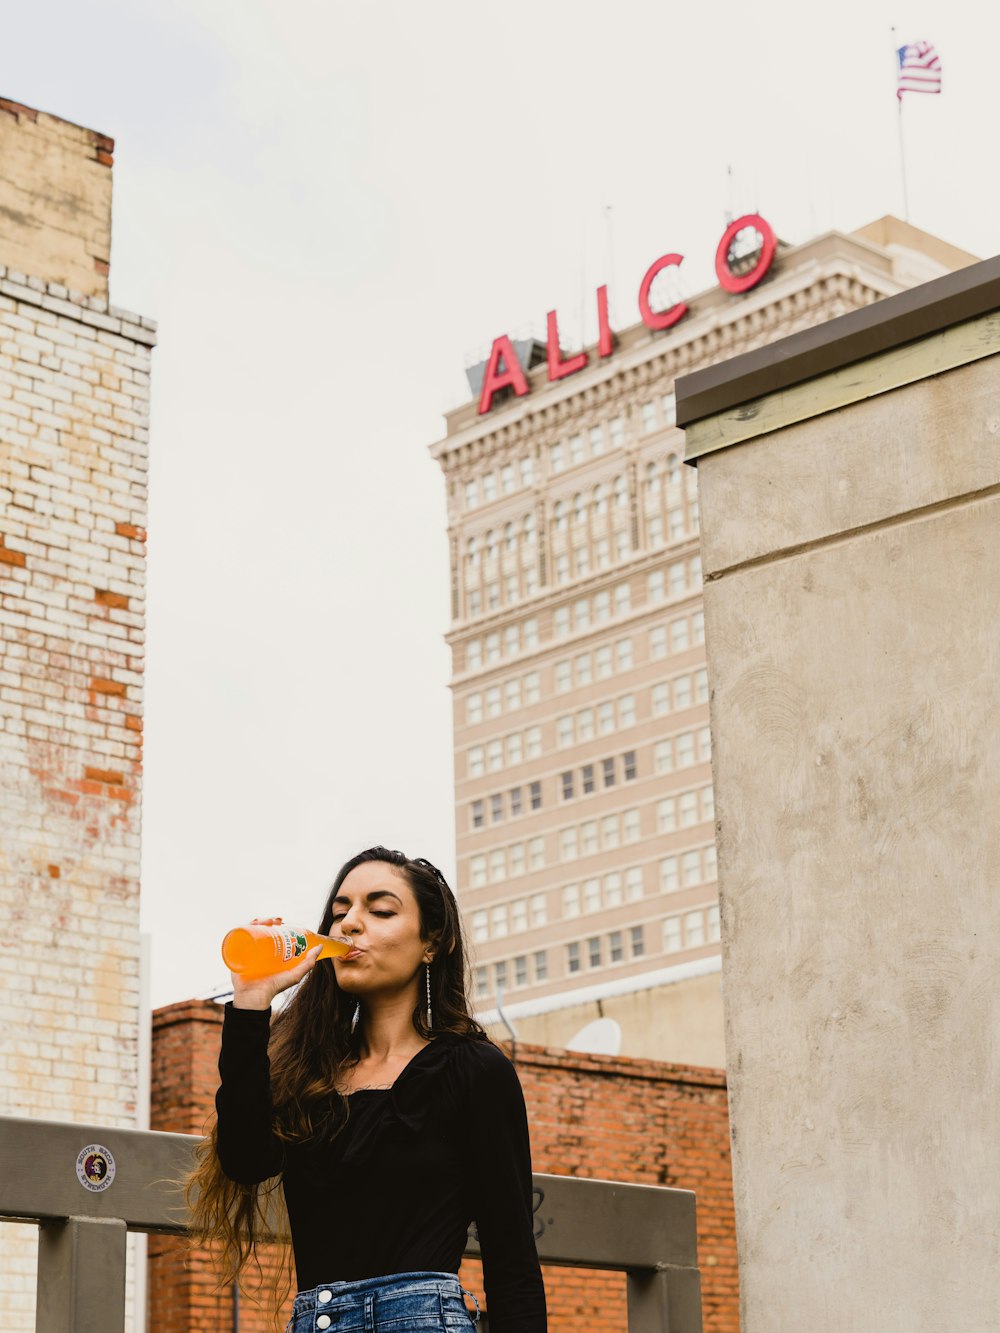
(769, 241)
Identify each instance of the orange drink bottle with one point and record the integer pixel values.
(260, 950)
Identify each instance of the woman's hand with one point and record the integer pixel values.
(258, 992)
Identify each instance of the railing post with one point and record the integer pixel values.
(664, 1300)
(81, 1276)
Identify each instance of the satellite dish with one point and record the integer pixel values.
(602, 1037)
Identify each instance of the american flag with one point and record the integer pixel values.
(919, 69)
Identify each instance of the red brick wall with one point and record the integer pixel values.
(600, 1116)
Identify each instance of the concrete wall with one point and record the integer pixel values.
(55, 199)
(852, 585)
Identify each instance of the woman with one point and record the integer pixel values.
(391, 1119)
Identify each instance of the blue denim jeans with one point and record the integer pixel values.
(421, 1302)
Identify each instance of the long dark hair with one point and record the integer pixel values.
(311, 1043)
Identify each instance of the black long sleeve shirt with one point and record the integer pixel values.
(396, 1189)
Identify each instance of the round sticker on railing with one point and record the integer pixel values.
(95, 1168)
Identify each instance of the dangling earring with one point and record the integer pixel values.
(356, 1015)
(430, 1018)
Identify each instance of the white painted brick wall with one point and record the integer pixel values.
(74, 414)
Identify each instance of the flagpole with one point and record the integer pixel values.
(899, 121)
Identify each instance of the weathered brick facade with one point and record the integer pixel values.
(600, 1116)
(74, 417)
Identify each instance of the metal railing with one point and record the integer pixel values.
(57, 1175)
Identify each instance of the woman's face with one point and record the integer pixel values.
(377, 910)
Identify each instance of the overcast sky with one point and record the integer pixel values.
(329, 209)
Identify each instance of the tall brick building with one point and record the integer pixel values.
(594, 1116)
(74, 418)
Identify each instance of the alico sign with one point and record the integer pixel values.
(504, 370)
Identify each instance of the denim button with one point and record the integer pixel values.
(325, 1296)
(324, 1321)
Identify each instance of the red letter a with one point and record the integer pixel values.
(496, 379)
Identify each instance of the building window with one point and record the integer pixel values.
(530, 633)
(476, 768)
(498, 921)
(474, 654)
(493, 647)
(567, 844)
(562, 567)
(571, 900)
(482, 982)
(480, 927)
(489, 487)
(530, 588)
(496, 807)
(514, 748)
(704, 743)
(615, 951)
(661, 699)
(515, 802)
(613, 889)
(622, 548)
(707, 803)
(610, 832)
(585, 724)
(684, 749)
(507, 481)
(471, 495)
(591, 895)
(654, 530)
(678, 578)
(532, 683)
(637, 940)
(672, 934)
(594, 951)
(587, 779)
(668, 874)
(679, 634)
(694, 929)
(631, 825)
(596, 436)
(666, 815)
(493, 706)
(713, 922)
(515, 858)
(500, 976)
(654, 585)
(626, 710)
(533, 743)
(588, 834)
(682, 692)
(689, 809)
(623, 651)
(521, 971)
(512, 694)
(581, 613)
(564, 677)
(608, 766)
(633, 883)
(669, 405)
(477, 814)
(673, 470)
(564, 732)
(539, 909)
(473, 709)
(528, 529)
(477, 871)
(541, 965)
(652, 479)
(623, 598)
(603, 663)
(556, 458)
(519, 915)
(527, 471)
(602, 606)
(663, 756)
(698, 626)
(606, 718)
(701, 686)
(498, 865)
(512, 640)
(536, 853)
(602, 553)
(535, 795)
(648, 411)
(561, 621)
(573, 957)
(567, 786)
(658, 642)
(710, 862)
(494, 755)
(583, 669)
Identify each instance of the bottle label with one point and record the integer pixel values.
(290, 945)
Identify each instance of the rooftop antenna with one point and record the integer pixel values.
(731, 210)
(609, 221)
